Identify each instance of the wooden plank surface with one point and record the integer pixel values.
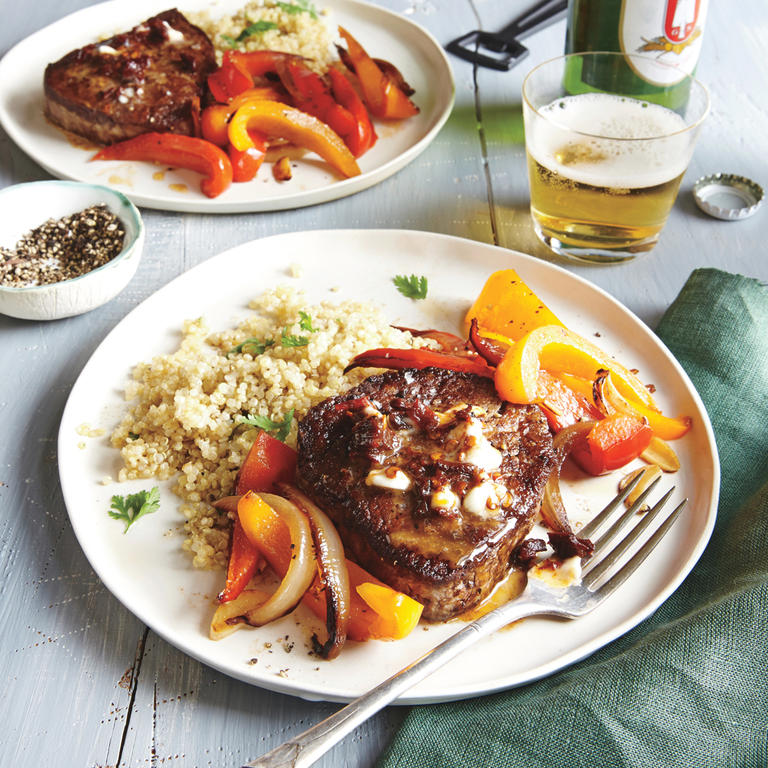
(85, 683)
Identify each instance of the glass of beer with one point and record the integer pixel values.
(605, 164)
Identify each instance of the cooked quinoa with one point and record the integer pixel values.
(184, 405)
(299, 29)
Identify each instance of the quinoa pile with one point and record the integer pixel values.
(184, 406)
(291, 27)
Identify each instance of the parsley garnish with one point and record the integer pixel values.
(280, 428)
(289, 340)
(252, 346)
(412, 287)
(305, 322)
(130, 508)
(300, 6)
(252, 29)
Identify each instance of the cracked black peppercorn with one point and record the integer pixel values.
(61, 249)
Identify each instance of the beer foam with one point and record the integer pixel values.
(567, 139)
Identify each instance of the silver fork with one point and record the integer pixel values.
(536, 599)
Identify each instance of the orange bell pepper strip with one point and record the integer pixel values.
(612, 443)
(381, 93)
(362, 136)
(562, 406)
(664, 427)
(559, 350)
(507, 306)
(214, 121)
(246, 164)
(301, 129)
(396, 614)
(387, 619)
(178, 151)
(268, 461)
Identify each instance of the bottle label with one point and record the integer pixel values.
(669, 31)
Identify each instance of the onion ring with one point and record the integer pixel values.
(333, 570)
(301, 570)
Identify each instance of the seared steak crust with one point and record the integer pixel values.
(149, 79)
(431, 540)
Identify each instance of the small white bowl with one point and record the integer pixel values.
(25, 207)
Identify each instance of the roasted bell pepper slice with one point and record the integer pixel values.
(381, 93)
(506, 305)
(268, 461)
(246, 163)
(177, 151)
(214, 124)
(269, 534)
(362, 136)
(396, 614)
(228, 81)
(243, 561)
(612, 443)
(275, 119)
(559, 350)
(419, 358)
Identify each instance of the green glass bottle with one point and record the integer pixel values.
(667, 31)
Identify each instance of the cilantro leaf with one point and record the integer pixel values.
(130, 508)
(305, 322)
(251, 346)
(300, 6)
(279, 428)
(412, 287)
(254, 29)
(289, 340)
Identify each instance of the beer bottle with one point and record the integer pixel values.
(669, 31)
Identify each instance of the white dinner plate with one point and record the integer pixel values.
(147, 571)
(383, 33)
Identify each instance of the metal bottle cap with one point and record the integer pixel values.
(727, 196)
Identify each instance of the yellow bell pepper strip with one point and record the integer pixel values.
(663, 427)
(382, 94)
(214, 121)
(270, 535)
(559, 350)
(275, 119)
(397, 614)
(177, 151)
(507, 306)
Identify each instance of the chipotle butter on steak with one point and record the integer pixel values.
(432, 481)
(148, 79)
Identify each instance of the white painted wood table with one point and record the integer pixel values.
(84, 683)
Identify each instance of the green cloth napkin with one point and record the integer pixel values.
(688, 686)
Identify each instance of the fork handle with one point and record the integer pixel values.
(308, 746)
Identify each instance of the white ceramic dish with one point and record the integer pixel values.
(413, 50)
(149, 573)
(27, 206)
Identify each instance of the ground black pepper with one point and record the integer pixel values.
(64, 248)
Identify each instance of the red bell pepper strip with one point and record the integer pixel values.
(246, 163)
(259, 63)
(381, 93)
(229, 80)
(419, 358)
(269, 461)
(562, 406)
(178, 151)
(612, 443)
(363, 136)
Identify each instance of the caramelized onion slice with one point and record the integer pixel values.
(552, 508)
(333, 570)
(230, 616)
(300, 572)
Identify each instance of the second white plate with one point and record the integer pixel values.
(383, 33)
(147, 571)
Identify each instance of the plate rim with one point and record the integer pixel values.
(335, 190)
(460, 692)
